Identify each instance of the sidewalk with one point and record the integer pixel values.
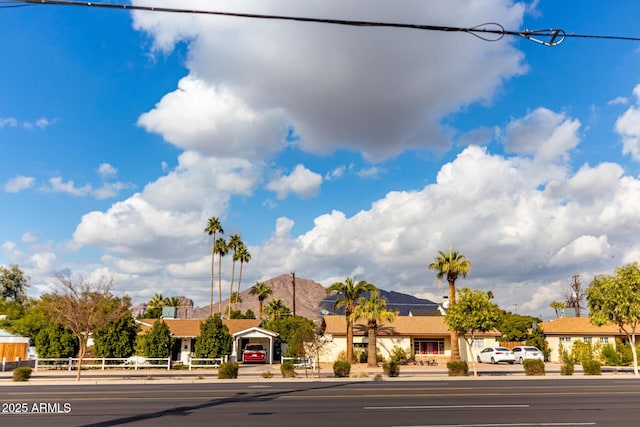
(256, 373)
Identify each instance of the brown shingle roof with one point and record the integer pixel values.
(183, 328)
(402, 326)
(577, 326)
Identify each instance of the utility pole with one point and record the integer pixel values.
(293, 282)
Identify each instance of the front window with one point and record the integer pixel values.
(428, 346)
(566, 340)
(586, 340)
(478, 343)
(604, 340)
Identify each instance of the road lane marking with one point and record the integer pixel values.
(444, 407)
(508, 425)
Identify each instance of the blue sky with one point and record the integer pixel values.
(333, 151)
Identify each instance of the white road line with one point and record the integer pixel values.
(445, 407)
(508, 425)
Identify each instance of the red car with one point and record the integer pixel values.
(254, 353)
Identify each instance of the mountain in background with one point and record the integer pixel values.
(311, 300)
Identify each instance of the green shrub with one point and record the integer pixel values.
(623, 348)
(266, 374)
(566, 368)
(584, 351)
(398, 354)
(458, 368)
(610, 355)
(592, 367)
(22, 374)
(228, 370)
(287, 369)
(341, 368)
(391, 368)
(533, 367)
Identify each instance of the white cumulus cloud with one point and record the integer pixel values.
(301, 181)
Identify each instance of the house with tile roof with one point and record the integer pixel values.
(422, 337)
(243, 331)
(565, 330)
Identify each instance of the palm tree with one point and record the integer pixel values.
(173, 302)
(244, 257)
(158, 300)
(275, 309)
(557, 306)
(154, 306)
(374, 311)
(233, 245)
(262, 290)
(221, 249)
(350, 292)
(450, 265)
(213, 226)
(236, 297)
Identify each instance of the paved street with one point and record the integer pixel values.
(559, 401)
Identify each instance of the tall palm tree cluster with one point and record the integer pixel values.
(221, 248)
(373, 309)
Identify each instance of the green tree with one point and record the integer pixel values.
(235, 243)
(213, 226)
(157, 341)
(516, 327)
(276, 309)
(450, 265)
(616, 299)
(116, 339)
(83, 308)
(244, 257)
(262, 290)
(54, 342)
(348, 293)
(221, 249)
(374, 311)
(294, 331)
(214, 340)
(473, 313)
(15, 317)
(13, 283)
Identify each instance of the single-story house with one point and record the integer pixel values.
(243, 331)
(566, 330)
(421, 337)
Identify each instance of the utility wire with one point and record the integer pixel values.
(490, 31)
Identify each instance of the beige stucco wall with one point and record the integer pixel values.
(554, 344)
(336, 345)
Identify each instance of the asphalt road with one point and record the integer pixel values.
(490, 402)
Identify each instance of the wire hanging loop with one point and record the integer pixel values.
(551, 37)
(489, 31)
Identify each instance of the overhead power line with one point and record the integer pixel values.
(490, 31)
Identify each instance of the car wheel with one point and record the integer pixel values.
(493, 361)
(521, 361)
(478, 359)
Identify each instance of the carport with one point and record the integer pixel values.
(254, 335)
